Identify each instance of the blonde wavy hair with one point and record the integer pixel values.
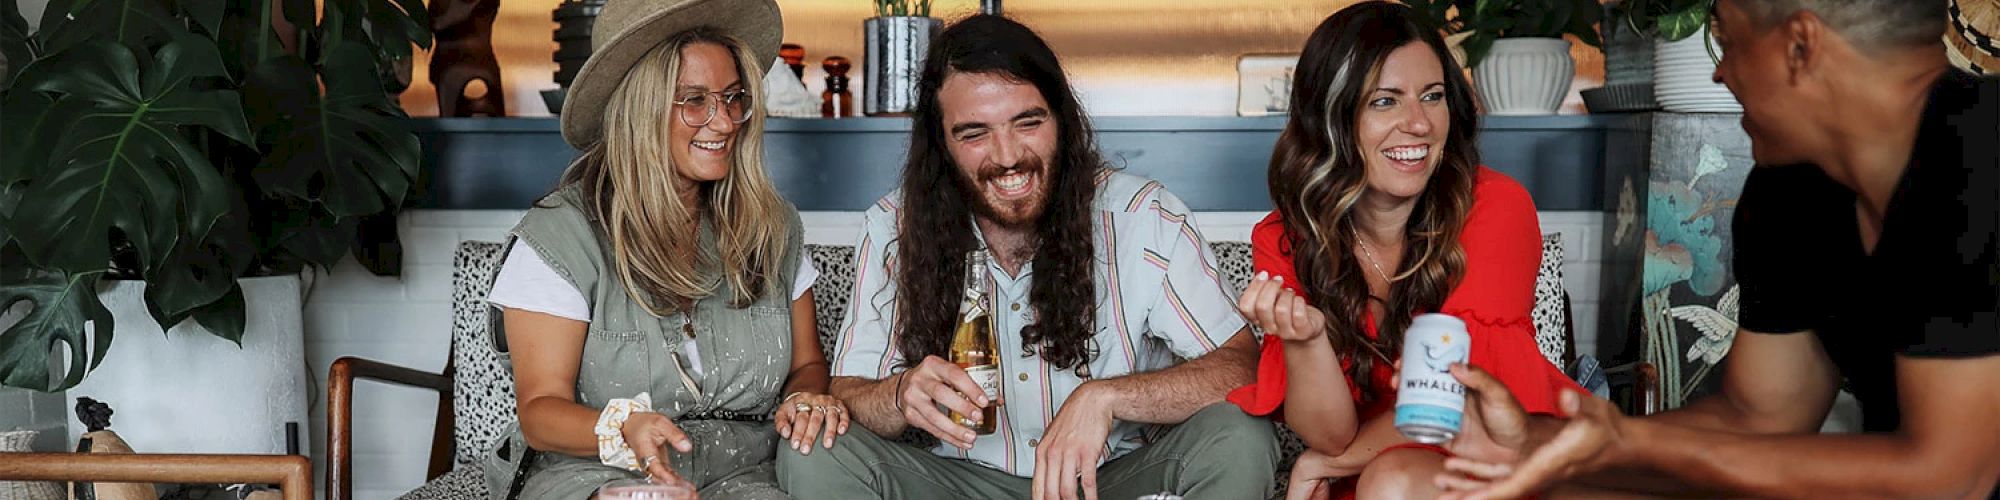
(627, 179)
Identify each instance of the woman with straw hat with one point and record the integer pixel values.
(657, 303)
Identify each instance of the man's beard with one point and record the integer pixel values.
(1013, 214)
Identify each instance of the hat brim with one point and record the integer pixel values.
(757, 23)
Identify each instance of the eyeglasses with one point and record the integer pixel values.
(697, 109)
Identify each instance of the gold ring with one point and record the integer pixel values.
(647, 463)
(802, 407)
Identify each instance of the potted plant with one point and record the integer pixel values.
(1516, 49)
(894, 44)
(1684, 54)
(178, 169)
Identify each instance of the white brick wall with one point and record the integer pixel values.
(22, 409)
(407, 321)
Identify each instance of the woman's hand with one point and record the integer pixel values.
(1312, 473)
(1278, 311)
(808, 417)
(647, 432)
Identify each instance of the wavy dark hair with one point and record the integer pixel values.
(936, 221)
(1317, 179)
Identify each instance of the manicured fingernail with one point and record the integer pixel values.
(1280, 279)
(1261, 275)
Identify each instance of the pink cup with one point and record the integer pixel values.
(641, 489)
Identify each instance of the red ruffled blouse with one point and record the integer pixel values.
(1503, 251)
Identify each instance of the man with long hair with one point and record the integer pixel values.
(1868, 250)
(1116, 338)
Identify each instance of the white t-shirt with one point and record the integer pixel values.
(526, 282)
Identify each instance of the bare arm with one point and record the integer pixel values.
(809, 370)
(1771, 384)
(1948, 446)
(1321, 413)
(872, 403)
(1173, 394)
(547, 352)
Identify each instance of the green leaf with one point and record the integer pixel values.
(198, 274)
(137, 24)
(318, 238)
(224, 317)
(30, 129)
(16, 44)
(1476, 48)
(206, 13)
(349, 149)
(1583, 20)
(125, 164)
(61, 303)
(1676, 26)
(394, 26)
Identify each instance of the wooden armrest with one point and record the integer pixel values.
(1645, 381)
(340, 416)
(292, 473)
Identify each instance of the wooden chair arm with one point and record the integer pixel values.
(340, 415)
(292, 473)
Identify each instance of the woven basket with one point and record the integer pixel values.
(18, 441)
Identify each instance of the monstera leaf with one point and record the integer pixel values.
(181, 143)
(136, 24)
(60, 304)
(17, 47)
(122, 161)
(346, 150)
(106, 163)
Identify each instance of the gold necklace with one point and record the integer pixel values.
(1370, 253)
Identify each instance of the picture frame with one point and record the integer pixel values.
(1264, 83)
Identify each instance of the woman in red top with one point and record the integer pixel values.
(1384, 213)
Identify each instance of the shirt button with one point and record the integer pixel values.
(1024, 376)
(1034, 442)
(1015, 307)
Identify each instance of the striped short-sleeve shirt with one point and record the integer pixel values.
(1161, 300)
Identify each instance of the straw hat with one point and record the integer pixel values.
(1971, 42)
(627, 29)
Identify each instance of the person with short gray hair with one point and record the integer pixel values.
(1867, 245)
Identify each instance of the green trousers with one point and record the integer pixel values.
(1220, 453)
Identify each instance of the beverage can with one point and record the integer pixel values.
(1430, 403)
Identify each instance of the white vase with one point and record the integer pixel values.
(1525, 76)
(1683, 77)
(188, 391)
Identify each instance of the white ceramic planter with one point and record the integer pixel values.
(187, 391)
(1683, 73)
(1525, 76)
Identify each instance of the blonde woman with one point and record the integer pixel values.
(657, 304)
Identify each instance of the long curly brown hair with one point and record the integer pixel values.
(1317, 179)
(936, 218)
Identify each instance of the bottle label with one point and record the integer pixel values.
(988, 378)
(1429, 395)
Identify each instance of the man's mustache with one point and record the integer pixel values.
(990, 172)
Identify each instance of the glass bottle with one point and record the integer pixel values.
(972, 346)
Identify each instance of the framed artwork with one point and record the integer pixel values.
(1264, 83)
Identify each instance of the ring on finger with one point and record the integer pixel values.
(647, 463)
(802, 407)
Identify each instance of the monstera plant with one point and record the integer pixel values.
(189, 143)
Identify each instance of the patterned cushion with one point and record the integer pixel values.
(484, 391)
(1551, 313)
(483, 385)
(464, 483)
(833, 289)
